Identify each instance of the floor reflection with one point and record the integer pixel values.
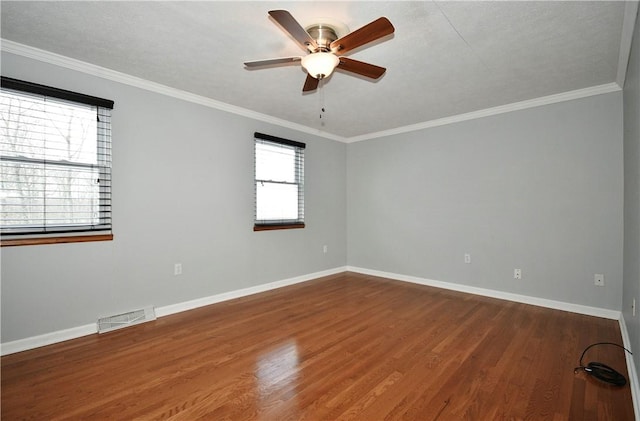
(277, 373)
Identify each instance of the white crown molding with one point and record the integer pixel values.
(628, 25)
(518, 298)
(81, 66)
(79, 331)
(631, 367)
(102, 72)
(487, 112)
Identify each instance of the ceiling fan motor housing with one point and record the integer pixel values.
(324, 35)
(321, 62)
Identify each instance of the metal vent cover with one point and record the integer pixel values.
(107, 324)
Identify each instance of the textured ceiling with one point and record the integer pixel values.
(445, 58)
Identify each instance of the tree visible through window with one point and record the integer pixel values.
(55, 161)
(279, 183)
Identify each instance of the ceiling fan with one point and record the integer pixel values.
(325, 49)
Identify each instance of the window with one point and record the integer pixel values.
(55, 165)
(279, 183)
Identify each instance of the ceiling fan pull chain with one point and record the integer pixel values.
(321, 99)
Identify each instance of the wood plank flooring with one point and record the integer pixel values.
(344, 347)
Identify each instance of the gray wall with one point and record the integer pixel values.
(539, 189)
(182, 192)
(631, 287)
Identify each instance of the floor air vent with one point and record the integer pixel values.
(107, 324)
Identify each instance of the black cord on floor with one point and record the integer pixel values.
(601, 371)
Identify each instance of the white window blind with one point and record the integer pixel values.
(279, 181)
(55, 161)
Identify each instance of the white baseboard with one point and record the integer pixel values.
(79, 331)
(525, 299)
(47, 339)
(631, 367)
(225, 296)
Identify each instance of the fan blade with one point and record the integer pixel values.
(370, 32)
(292, 26)
(271, 61)
(361, 68)
(310, 84)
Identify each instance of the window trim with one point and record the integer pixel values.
(61, 235)
(54, 240)
(269, 227)
(279, 224)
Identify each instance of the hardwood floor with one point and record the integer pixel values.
(343, 347)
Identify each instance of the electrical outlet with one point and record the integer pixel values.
(517, 274)
(325, 249)
(177, 269)
(598, 280)
(633, 308)
(467, 258)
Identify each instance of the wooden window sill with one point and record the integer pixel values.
(55, 240)
(277, 227)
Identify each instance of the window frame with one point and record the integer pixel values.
(299, 148)
(42, 234)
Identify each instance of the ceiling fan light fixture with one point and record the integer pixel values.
(320, 65)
